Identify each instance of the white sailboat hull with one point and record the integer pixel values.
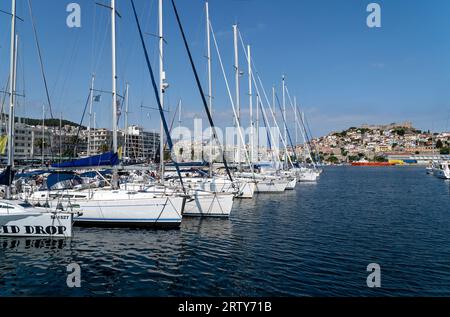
(441, 173)
(246, 189)
(292, 184)
(207, 204)
(271, 186)
(34, 223)
(200, 203)
(307, 176)
(118, 208)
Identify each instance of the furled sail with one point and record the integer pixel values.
(106, 159)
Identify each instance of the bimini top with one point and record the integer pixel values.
(106, 159)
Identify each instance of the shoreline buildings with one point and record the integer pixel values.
(48, 143)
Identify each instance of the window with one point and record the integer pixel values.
(26, 205)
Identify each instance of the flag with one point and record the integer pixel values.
(120, 152)
(3, 143)
(98, 98)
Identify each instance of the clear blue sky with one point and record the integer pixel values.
(343, 73)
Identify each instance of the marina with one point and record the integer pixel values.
(107, 190)
(181, 158)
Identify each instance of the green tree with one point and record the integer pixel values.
(445, 151)
(380, 159)
(333, 159)
(68, 153)
(39, 142)
(400, 131)
(439, 144)
(104, 148)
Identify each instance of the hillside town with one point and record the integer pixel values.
(392, 142)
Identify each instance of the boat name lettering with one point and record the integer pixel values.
(33, 230)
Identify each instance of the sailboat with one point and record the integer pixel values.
(200, 201)
(113, 206)
(17, 217)
(441, 169)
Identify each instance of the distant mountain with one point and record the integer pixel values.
(48, 122)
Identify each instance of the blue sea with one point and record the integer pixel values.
(314, 241)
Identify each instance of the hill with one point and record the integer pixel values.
(48, 122)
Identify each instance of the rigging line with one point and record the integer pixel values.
(199, 85)
(264, 92)
(173, 121)
(306, 133)
(308, 142)
(313, 144)
(60, 69)
(285, 124)
(68, 60)
(257, 87)
(130, 52)
(283, 141)
(301, 125)
(94, 20)
(38, 46)
(266, 125)
(219, 57)
(267, 100)
(4, 97)
(102, 46)
(22, 64)
(81, 124)
(155, 90)
(296, 111)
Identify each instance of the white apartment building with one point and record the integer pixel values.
(139, 144)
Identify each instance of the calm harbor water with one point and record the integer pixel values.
(314, 241)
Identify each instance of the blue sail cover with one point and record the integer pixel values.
(106, 159)
(7, 176)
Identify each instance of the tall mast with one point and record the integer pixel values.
(125, 150)
(95, 127)
(250, 94)
(161, 84)
(257, 128)
(210, 93)
(296, 127)
(43, 135)
(284, 119)
(114, 75)
(238, 101)
(91, 101)
(12, 81)
(60, 137)
(115, 176)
